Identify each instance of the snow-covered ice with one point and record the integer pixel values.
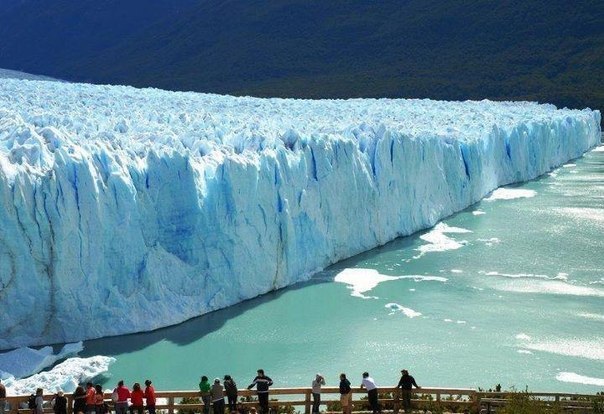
(579, 379)
(23, 362)
(120, 204)
(65, 376)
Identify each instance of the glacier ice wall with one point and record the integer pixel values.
(125, 210)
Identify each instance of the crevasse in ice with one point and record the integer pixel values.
(125, 210)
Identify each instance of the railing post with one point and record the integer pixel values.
(307, 405)
(397, 401)
(170, 405)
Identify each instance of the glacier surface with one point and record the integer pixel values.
(126, 210)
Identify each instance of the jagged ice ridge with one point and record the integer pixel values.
(126, 210)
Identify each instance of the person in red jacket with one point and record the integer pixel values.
(136, 398)
(150, 396)
(122, 393)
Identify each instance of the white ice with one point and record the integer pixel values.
(65, 376)
(510, 194)
(362, 280)
(153, 207)
(408, 312)
(438, 241)
(23, 362)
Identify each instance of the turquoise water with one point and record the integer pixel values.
(515, 296)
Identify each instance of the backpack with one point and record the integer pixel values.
(31, 402)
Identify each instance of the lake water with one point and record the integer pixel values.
(509, 291)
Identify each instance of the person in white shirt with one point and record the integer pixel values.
(316, 392)
(372, 393)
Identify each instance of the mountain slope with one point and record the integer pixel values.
(538, 50)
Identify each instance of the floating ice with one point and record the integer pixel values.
(408, 312)
(579, 379)
(510, 194)
(438, 241)
(23, 362)
(598, 149)
(523, 337)
(490, 242)
(65, 376)
(478, 212)
(362, 280)
(153, 206)
(524, 351)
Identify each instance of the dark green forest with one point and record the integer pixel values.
(546, 51)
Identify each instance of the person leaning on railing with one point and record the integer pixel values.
(406, 383)
(345, 394)
(261, 382)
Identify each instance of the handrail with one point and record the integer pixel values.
(465, 398)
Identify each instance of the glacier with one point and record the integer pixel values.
(127, 209)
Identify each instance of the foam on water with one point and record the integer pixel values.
(579, 379)
(361, 281)
(478, 212)
(510, 194)
(408, 312)
(594, 316)
(592, 348)
(549, 287)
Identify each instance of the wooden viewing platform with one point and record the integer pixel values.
(456, 400)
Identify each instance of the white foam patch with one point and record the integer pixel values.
(581, 348)
(594, 316)
(362, 280)
(456, 271)
(23, 362)
(64, 377)
(408, 312)
(523, 337)
(550, 287)
(478, 212)
(439, 242)
(559, 276)
(490, 242)
(579, 379)
(598, 149)
(510, 194)
(569, 165)
(524, 351)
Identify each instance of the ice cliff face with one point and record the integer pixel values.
(125, 210)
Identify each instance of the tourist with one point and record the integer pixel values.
(316, 392)
(204, 390)
(345, 394)
(372, 392)
(136, 398)
(99, 399)
(59, 403)
(120, 394)
(90, 398)
(2, 397)
(231, 391)
(150, 396)
(39, 408)
(405, 384)
(79, 400)
(217, 393)
(261, 382)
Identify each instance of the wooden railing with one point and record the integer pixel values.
(457, 400)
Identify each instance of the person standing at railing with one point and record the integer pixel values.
(59, 403)
(261, 382)
(345, 394)
(372, 392)
(120, 395)
(90, 398)
(2, 397)
(150, 396)
(204, 390)
(316, 392)
(230, 387)
(136, 398)
(79, 400)
(406, 383)
(39, 408)
(217, 393)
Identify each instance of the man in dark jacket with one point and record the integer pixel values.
(261, 382)
(405, 384)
